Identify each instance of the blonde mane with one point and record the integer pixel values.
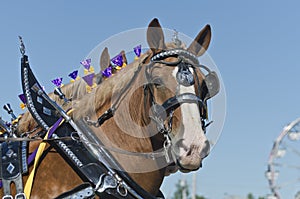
(103, 92)
(81, 100)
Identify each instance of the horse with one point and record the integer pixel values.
(159, 103)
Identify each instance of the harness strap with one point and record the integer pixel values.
(12, 161)
(110, 112)
(29, 183)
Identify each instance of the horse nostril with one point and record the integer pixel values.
(205, 150)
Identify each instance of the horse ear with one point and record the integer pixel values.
(155, 36)
(201, 42)
(124, 57)
(104, 59)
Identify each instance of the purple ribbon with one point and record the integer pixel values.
(118, 60)
(137, 50)
(22, 98)
(51, 131)
(74, 74)
(86, 63)
(57, 82)
(89, 79)
(107, 72)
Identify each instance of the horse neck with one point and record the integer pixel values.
(128, 130)
(131, 118)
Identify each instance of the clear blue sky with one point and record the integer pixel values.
(255, 45)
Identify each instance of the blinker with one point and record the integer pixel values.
(184, 75)
(213, 84)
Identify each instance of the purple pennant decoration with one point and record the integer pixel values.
(74, 74)
(89, 79)
(107, 72)
(137, 50)
(57, 82)
(22, 98)
(118, 60)
(86, 63)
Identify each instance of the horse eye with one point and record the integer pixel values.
(159, 86)
(158, 83)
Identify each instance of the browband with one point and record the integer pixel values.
(175, 52)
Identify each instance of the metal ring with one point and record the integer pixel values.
(91, 122)
(75, 137)
(7, 197)
(122, 190)
(167, 142)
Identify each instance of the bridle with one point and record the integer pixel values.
(185, 61)
(162, 114)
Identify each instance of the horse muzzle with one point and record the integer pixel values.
(192, 157)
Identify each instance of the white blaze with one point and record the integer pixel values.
(192, 135)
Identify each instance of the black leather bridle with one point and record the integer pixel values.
(185, 62)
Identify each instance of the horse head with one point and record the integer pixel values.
(178, 93)
(161, 96)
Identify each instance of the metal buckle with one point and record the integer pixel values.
(110, 182)
(85, 193)
(106, 182)
(84, 190)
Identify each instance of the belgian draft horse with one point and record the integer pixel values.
(150, 82)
